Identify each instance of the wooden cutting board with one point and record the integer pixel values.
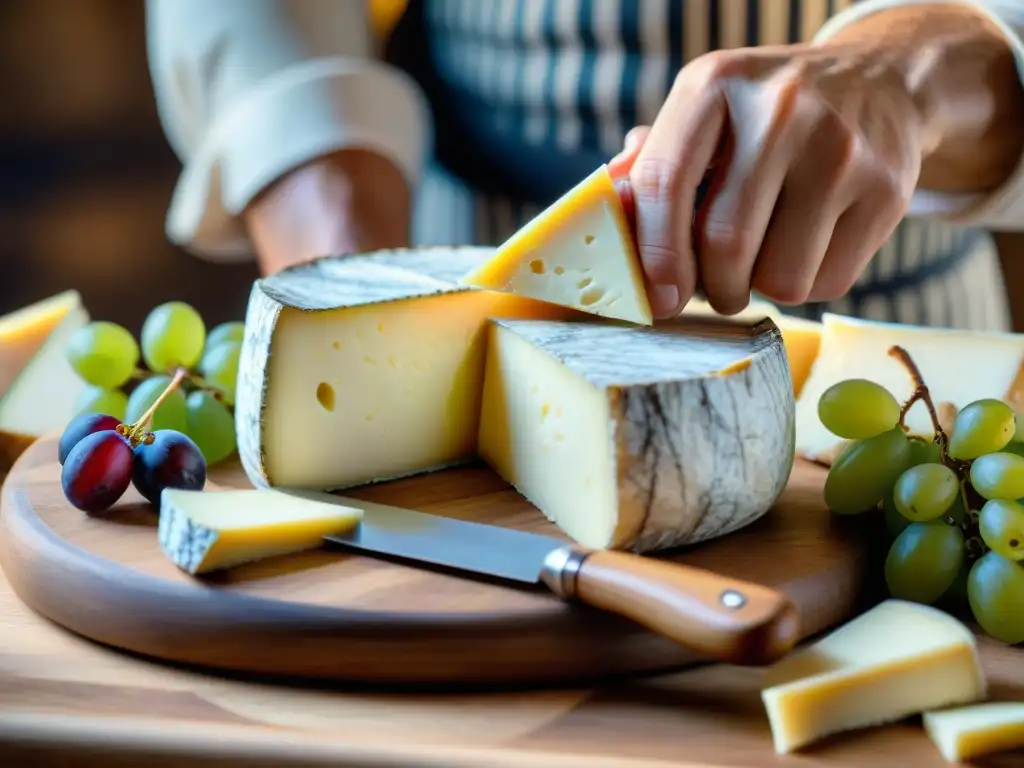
(344, 616)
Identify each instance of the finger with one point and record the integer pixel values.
(794, 245)
(620, 165)
(858, 235)
(664, 178)
(628, 204)
(733, 222)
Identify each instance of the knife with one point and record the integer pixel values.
(719, 617)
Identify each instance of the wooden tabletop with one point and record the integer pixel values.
(66, 701)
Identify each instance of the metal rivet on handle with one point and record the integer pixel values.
(733, 599)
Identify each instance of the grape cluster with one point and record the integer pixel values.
(106, 356)
(952, 504)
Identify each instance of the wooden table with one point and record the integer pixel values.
(67, 702)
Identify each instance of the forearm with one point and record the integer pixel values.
(960, 69)
(351, 201)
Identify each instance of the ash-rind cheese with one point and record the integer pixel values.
(369, 368)
(636, 437)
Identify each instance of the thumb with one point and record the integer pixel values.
(620, 165)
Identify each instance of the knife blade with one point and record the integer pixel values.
(722, 618)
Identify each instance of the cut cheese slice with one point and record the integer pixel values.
(964, 733)
(640, 438)
(43, 397)
(896, 660)
(203, 531)
(362, 369)
(23, 332)
(579, 253)
(958, 367)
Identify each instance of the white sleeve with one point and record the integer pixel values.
(1002, 209)
(248, 90)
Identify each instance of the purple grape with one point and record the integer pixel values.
(170, 460)
(97, 471)
(83, 426)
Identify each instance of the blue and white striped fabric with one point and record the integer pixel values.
(531, 95)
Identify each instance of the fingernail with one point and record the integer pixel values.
(632, 139)
(665, 300)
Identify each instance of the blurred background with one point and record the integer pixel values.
(86, 175)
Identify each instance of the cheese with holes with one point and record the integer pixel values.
(23, 332)
(896, 660)
(801, 337)
(204, 531)
(958, 367)
(42, 397)
(964, 733)
(579, 252)
(362, 369)
(640, 438)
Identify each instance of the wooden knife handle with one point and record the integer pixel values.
(725, 619)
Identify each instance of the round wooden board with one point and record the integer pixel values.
(328, 614)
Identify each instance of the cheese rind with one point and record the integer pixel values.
(958, 367)
(640, 438)
(43, 396)
(364, 369)
(203, 531)
(23, 332)
(964, 733)
(579, 253)
(896, 660)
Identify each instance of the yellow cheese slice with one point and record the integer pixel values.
(964, 733)
(578, 253)
(204, 531)
(23, 332)
(896, 660)
(958, 367)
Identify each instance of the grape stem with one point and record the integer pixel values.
(921, 393)
(137, 431)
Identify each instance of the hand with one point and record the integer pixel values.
(352, 201)
(816, 151)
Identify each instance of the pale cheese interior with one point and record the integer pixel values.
(579, 253)
(392, 387)
(963, 733)
(896, 660)
(23, 332)
(548, 432)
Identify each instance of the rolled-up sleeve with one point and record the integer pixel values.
(1002, 209)
(248, 90)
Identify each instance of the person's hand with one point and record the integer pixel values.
(813, 154)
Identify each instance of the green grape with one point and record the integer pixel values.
(895, 523)
(957, 512)
(857, 409)
(924, 452)
(995, 589)
(170, 415)
(1001, 524)
(955, 598)
(1018, 428)
(233, 331)
(984, 426)
(219, 367)
(173, 336)
(211, 426)
(112, 402)
(924, 561)
(104, 354)
(926, 492)
(866, 471)
(998, 476)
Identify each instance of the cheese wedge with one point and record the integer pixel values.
(23, 332)
(203, 531)
(579, 253)
(640, 438)
(964, 733)
(958, 367)
(43, 397)
(363, 369)
(896, 660)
